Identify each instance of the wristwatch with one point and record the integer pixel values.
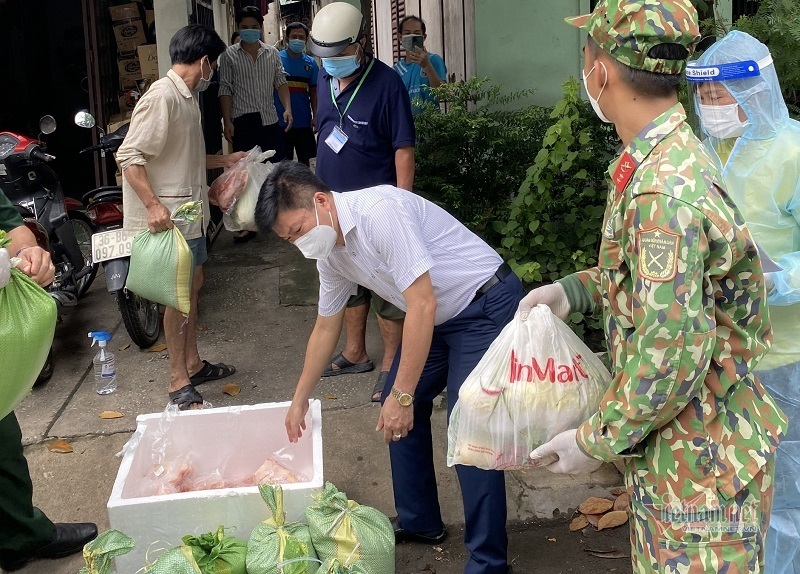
(404, 399)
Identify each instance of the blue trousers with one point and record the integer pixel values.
(456, 348)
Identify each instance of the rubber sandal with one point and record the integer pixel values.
(211, 372)
(185, 397)
(377, 390)
(346, 367)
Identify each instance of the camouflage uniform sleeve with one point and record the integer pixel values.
(653, 275)
(583, 290)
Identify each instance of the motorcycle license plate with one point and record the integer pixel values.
(111, 245)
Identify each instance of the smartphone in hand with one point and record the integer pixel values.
(412, 41)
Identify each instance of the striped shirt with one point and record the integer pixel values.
(392, 237)
(250, 82)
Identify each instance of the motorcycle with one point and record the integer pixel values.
(111, 244)
(57, 222)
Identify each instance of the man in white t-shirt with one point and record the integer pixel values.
(457, 294)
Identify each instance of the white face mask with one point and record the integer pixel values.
(722, 122)
(318, 242)
(203, 84)
(596, 102)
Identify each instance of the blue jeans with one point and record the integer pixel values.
(456, 348)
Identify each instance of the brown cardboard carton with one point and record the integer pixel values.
(128, 27)
(148, 60)
(129, 71)
(118, 120)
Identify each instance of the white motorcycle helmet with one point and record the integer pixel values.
(335, 27)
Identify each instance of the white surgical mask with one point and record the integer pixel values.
(722, 122)
(318, 242)
(596, 102)
(203, 84)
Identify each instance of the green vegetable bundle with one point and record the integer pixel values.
(212, 553)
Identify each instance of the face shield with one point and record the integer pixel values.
(718, 102)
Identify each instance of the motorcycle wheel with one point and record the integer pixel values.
(47, 371)
(141, 317)
(83, 229)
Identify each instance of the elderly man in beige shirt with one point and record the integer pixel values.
(163, 161)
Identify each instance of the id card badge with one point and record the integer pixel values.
(337, 139)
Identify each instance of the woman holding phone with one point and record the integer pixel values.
(419, 69)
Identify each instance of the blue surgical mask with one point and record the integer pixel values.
(340, 66)
(297, 46)
(250, 36)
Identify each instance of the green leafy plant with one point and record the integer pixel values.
(472, 158)
(553, 227)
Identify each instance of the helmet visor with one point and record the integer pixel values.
(328, 49)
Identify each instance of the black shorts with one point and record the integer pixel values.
(302, 141)
(248, 133)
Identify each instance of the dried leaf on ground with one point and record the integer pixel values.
(157, 348)
(232, 389)
(609, 555)
(578, 523)
(618, 490)
(331, 397)
(593, 519)
(612, 519)
(123, 347)
(623, 502)
(59, 446)
(594, 505)
(111, 415)
(551, 539)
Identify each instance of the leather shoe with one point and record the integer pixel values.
(66, 539)
(401, 535)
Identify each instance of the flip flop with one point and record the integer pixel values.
(377, 390)
(185, 397)
(346, 367)
(211, 372)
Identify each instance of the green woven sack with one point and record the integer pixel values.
(356, 536)
(27, 324)
(100, 552)
(335, 567)
(279, 548)
(162, 264)
(212, 553)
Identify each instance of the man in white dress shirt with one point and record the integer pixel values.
(457, 294)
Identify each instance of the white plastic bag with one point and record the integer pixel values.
(243, 215)
(226, 190)
(536, 380)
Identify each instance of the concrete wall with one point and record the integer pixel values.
(171, 16)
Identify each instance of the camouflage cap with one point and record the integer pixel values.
(626, 30)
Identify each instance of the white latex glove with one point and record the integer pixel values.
(5, 267)
(571, 459)
(552, 295)
(770, 283)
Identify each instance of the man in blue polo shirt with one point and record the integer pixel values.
(365, 138)
(420, 69)
(302, 71)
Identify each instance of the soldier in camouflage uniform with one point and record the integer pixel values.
(681, 287)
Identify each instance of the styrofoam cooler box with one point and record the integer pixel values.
(245, 436)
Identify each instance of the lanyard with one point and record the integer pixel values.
(352, 97)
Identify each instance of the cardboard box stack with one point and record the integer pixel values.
(130, 23)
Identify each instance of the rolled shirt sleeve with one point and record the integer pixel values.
(334, 290)
(280, 72)
(147, 134)
(227, 75)
(398, 116)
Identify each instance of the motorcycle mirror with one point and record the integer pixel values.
(47, 124)
(84, 119)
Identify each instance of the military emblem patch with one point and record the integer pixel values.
(658, 254)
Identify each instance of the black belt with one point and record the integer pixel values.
(502, 272)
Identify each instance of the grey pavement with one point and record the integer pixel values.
(258, 308)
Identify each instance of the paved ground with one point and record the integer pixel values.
(258, 307)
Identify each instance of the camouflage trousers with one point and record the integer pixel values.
(727, 539)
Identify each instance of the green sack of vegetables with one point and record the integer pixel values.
(212, 553)
(100, 552)
(279, 548)
(162, 265)
(355, 535)
(27, 325)
(335, 567)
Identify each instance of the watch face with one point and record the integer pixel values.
(405, 400)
